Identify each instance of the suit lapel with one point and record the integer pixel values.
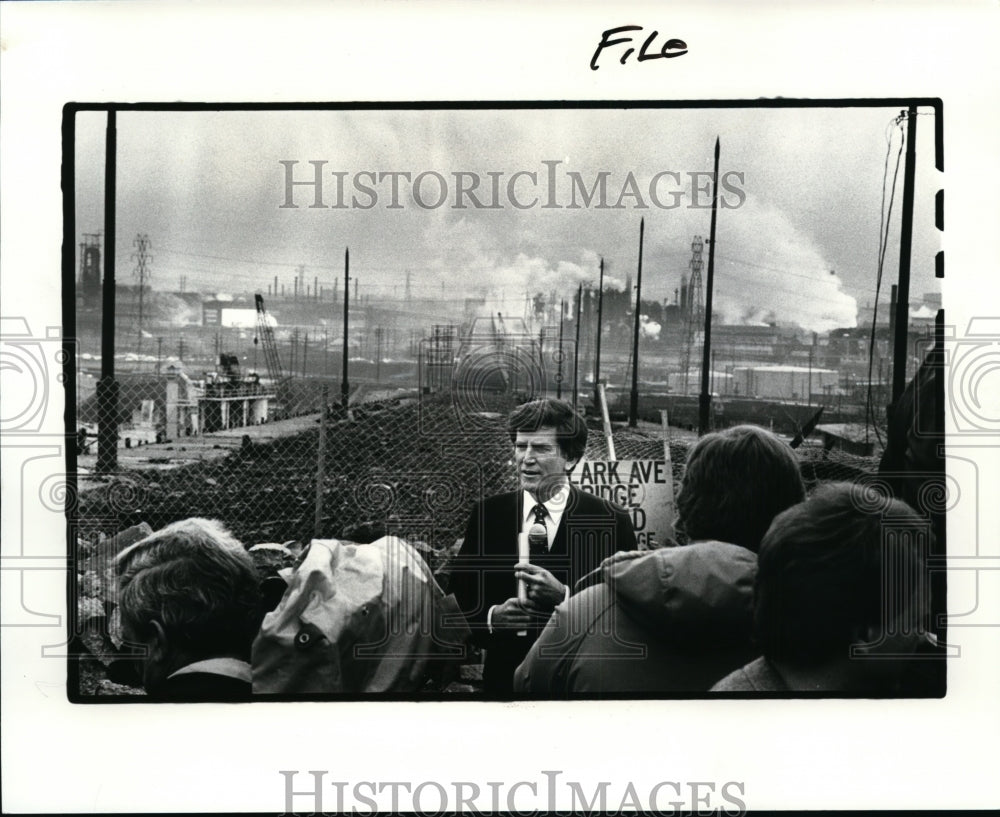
(559, 544)
(509, 526)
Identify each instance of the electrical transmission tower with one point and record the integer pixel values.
(694, 305)
(142, 259)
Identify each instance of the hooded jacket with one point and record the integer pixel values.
(357, 619)
(671, 620)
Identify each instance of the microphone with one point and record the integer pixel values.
(523, 551)
(538, 538)
(537, 542)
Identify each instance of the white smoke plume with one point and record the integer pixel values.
(648, 328)
(169, 309)
(767, 269)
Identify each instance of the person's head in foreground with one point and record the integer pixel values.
(690, 608)
(841, 597)
(735, 482)
(189, 594)
(549, 439)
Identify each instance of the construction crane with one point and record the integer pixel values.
(265, 337)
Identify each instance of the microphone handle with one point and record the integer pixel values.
(523, 551)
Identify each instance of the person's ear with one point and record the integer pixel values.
(156, 663)
(157, 644)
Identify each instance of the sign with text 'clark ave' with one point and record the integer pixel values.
(643, 487)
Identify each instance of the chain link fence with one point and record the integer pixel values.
(280, 460)
(409, 464)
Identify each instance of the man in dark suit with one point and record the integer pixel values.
(570, 532)
(189, 596)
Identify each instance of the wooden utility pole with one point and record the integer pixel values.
(705, 398)
(899, 343)
(633, 407)
(559, 358)
(107, 387)
(597, 350)
(344, 388)
(576, 348)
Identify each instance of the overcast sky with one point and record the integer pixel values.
(207, 189)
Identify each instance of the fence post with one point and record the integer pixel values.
(107, 424)
(320, 463)
(603, 397)
(670, 468)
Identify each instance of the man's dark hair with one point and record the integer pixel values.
(821, 582)
(735, 482)
(198, 582)
(571, 430)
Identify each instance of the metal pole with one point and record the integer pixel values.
(576, 348)
(597, 352)
(705, 397)
(712, 374)
(344, 388)
(541, 354)
(107, 388)
(559, 359)
(321, 461)
(899, 351)
(633, 409)
(809, 394)
(893, 293)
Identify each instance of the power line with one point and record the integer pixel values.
(410, 268)
(782, 271)
(885, 218)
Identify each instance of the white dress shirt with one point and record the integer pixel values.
(554, 507)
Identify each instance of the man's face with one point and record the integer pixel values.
(541, 466)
